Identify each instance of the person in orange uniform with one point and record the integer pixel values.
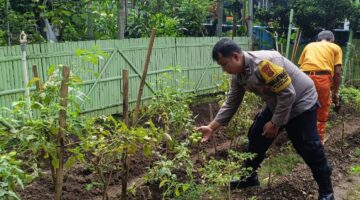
(322, 61)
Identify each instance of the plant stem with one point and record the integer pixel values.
(124, 178)
(106, 186)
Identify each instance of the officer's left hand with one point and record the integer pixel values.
(270, 131)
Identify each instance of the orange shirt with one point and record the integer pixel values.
(320, 56)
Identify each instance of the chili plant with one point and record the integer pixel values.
(35, 138)
(165, 172)
(11, 175)
(170, 106)
(108, 139)
(217, 174)
(243, 118)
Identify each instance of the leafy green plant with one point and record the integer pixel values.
(110, 141)
(169, 108)
(243, 118)
(217, 174)
(355, 169)
(351, 96)
(36, 135)
(165, 172)
(11, 175)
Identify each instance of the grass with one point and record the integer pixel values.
(282, 163)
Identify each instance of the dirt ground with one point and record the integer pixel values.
(300, 185)
(296, 185)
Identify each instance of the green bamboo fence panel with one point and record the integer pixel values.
(102, 81)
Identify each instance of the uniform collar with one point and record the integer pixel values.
(250, 63)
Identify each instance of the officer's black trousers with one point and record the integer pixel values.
(303, 134)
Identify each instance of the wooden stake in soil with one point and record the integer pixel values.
(125, 169)
(61, 134)
(37, 78)
(39, 88)
(142, 83)
(125, 76)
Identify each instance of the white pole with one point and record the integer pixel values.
(23, 42)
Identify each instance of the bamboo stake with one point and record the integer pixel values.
(146, 65)
(297, 44)
(37, 78)
(64, 89)
(294, 46)
(125, 169)
(125, 76)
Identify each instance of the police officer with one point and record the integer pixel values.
(291, 103)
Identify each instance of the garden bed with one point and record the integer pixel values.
(297, 184)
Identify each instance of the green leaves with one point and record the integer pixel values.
(355, 169)
(11, 175)
(93, 56)
(312, 15)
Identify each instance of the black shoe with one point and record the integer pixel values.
(329, 196)
(248, 182)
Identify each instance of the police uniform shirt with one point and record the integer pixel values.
(286, 90)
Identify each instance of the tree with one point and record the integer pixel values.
(121, 19)
(311, 15)
(220, 9)
(278, 14)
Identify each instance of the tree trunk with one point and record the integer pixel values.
(158, 5)
(234, 24)
(7, 23)
(121, 19)
(220, 6)
(90, 25)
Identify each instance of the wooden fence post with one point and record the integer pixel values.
(61, 134)
(124, 177)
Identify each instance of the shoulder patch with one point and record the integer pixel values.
(275, 76)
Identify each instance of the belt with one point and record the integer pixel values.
(317, 72)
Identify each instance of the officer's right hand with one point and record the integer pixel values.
(206, 131)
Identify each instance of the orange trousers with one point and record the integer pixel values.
(323, 87)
